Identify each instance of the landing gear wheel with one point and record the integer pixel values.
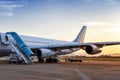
(51, 60)
(41, 60)
(55, 60)
(47, 60)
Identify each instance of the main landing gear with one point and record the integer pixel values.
(48, 60)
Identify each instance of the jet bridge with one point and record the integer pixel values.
(18, 46)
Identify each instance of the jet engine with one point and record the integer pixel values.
(92, 49)
(41, 53)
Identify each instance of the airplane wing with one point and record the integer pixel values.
(90, 48)
(82, 45)
(75, 45)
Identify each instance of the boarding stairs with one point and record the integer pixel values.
(18, 46)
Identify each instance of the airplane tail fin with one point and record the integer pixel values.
(81, 35)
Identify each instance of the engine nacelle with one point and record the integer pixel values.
(92, 49)
(45, 53)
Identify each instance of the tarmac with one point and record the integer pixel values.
(59, 71)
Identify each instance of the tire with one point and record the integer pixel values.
(55, 60)
(47, 60)
(41, 60)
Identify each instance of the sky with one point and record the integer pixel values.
(63, 19)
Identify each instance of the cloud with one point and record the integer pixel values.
(109, 2)
(6, 14)
(10, 4)
(108, 27)
(113, 0)
(94, 23)
(50, 0)
(7, 7)
(89, 0)
(115, 29)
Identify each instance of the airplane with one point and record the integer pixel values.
(45, 48)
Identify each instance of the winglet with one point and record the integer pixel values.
(81, 35)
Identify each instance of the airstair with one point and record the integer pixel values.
(18, 46)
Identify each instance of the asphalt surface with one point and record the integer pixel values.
(59, 71)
